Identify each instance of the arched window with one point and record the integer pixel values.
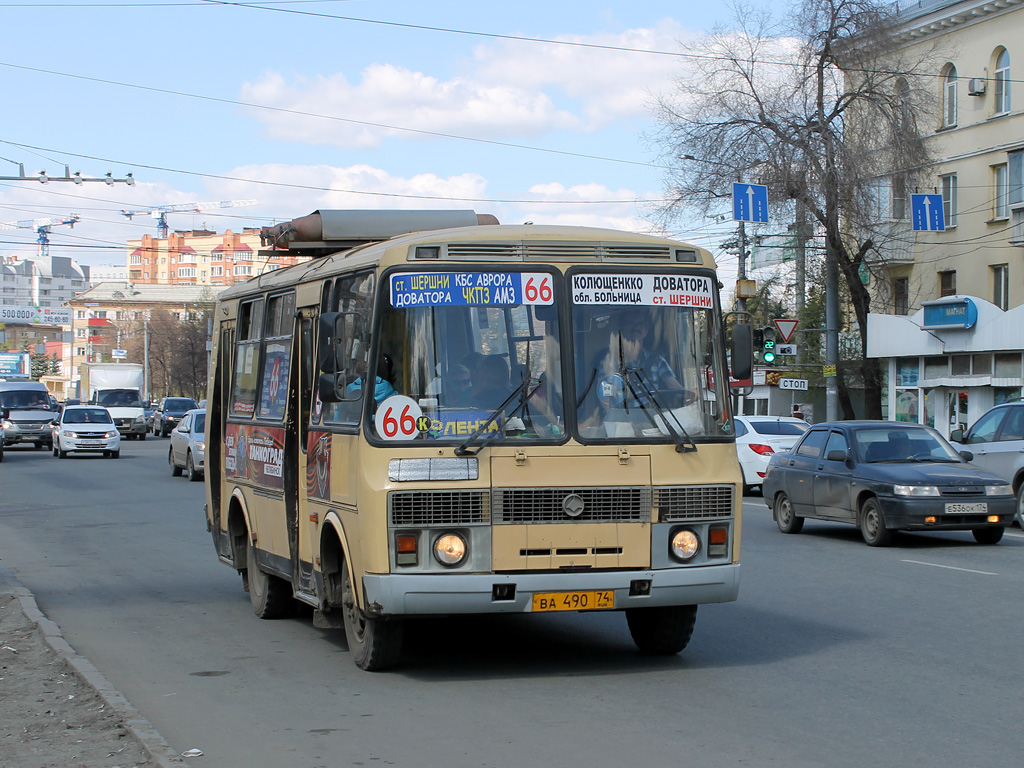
(1002, 79)
(949, 96)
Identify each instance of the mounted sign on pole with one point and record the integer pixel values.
(749, 202)
(927, 213)
(786, 328)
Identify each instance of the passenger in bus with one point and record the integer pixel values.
(492, 385)
(382, 388)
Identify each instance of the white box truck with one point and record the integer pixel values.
(118, 388)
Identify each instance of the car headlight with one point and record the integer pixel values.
(915, 490)
(9, 425)
(684, 544)
(450, 549)
(998, 490)
(111, 434)
(69, 433)
(140, 419)
(201, 445)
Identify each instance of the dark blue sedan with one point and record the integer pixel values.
(883, 477)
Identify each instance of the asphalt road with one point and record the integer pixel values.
(836, 654)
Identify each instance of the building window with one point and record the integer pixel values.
(1000, 196)
(1002, 79)
(949, 198)
(1001, 286)
(80, 333)
(899, 197)
(1015, 177)
(186, 271)
(80, 314)
(949, 97)
(901, 295)
(947, 283)
(80, 351)
(217, 271)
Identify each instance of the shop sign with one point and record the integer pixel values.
(960, 313)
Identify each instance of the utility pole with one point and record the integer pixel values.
(145, 358)
(831, 334)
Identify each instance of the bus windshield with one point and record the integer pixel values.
(646, 357)
(463, 352)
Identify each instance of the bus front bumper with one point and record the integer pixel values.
(421, 594)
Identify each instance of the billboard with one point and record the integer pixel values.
(17, 315)
(15, 365)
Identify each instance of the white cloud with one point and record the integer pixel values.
(507, 89)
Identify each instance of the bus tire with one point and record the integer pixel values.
(375, 644)
(661, 631)
(270, 596)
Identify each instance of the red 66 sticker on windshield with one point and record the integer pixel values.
(397, 418)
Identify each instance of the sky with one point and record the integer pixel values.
(319, 104)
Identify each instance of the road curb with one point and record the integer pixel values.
(154, 744)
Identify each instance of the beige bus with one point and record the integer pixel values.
(437, 414)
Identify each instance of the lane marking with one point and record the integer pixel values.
(950, 567)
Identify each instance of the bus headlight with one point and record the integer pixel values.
(684, 544)
(450, 549)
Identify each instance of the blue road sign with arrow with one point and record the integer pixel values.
(749, 202)
(927, 213)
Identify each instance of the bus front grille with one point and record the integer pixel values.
(517, 506)
(423, 508)
(694, 502)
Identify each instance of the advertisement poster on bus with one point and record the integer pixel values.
(255, 453)
(318, 465)
(644, 290)
(275, 381)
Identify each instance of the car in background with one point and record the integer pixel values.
(885, 476)
(170, 412)
(758, 438)
(997, 442)
(148, 409)
(26, 413)
(188, 446)
(1, 441)
(86, 429)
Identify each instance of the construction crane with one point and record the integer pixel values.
(42, 227)
(159, 212)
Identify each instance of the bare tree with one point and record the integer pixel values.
(824, 111)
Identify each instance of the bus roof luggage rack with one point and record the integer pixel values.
(324, 232)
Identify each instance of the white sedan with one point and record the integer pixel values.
(86, 429)
(758, 437)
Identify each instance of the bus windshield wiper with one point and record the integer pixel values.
(520, 391)
(638, 376)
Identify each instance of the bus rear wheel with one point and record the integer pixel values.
(270, 596)
(661, 631)
(375, 644)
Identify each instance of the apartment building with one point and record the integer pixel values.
(950, 311)
(202, 257)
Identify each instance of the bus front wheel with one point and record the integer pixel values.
(661, 631)
(375, 644)
(270, 596)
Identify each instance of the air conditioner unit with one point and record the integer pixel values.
(976, 86)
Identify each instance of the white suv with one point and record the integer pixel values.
(997, 442)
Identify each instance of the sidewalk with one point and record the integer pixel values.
(56, 709)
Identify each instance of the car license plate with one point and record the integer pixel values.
(92, 444)
(981, 508)
(591, 600)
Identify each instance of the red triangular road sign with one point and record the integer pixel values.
(786, 328)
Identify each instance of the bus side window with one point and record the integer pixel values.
(352, 294)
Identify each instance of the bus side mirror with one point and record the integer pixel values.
(742, 352)
(339, 388)
(329, 328)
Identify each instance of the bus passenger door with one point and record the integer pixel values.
(300, 486)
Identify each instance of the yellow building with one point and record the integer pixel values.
(951, 335)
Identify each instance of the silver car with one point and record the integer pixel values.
(188, 445)
(997, 442)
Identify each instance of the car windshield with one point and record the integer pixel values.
(199, 423)
(779, 427)
(125, 398)
(903, 444)
(25, 399)
(179, 404)
(648, 362)
(87, 416)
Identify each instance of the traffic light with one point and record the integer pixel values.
(768, 345)
(758, 344)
